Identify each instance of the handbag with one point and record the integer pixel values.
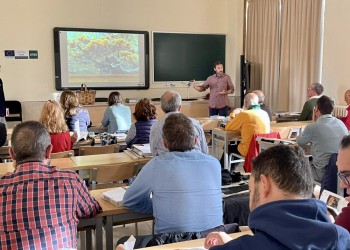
(86, 96)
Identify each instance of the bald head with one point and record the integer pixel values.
(347, 97)
(260, 95)
(251, 99)
(170, 101)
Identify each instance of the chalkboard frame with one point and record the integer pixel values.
(181, 57)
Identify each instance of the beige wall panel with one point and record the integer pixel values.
(29, 26)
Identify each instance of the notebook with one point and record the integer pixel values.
(114, 196)
(333, 200)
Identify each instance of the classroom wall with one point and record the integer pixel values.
(28, 25)
(336, 56)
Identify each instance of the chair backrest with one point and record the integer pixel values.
(15, 110)
(103, 174)
(4, 154)
(265, 143)
(330, 179)
(96, 150)
(63, 154)
(253, 150)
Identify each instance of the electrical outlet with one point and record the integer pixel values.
(169, 85)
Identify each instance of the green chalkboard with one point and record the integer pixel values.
(184, 57)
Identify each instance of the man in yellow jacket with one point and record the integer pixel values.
(249, 121)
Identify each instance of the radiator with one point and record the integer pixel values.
(340, 110)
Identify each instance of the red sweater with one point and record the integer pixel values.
(61, 142)
(343, 219)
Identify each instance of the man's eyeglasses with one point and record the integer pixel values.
(344, 178)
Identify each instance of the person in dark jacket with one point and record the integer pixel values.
(343, 164)
(283, 216)
(145, 116)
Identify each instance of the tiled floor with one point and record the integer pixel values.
(144, 228)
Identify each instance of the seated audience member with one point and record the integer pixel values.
(346, 119)
(117, 116)
(41, 205)
(261, 97)
(171, 103)
(52, 118)
(77, 117)
(283, 214)
(181, 188)
(252, 120)
(343, 164)
(324, 135)
(313, 93)
(145, 115)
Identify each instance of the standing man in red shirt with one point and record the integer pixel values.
(40, 205)
(220, 85)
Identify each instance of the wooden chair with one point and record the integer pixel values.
(105, 176)
(4, 154)
(15, 110)
(63, 154)
(96, 150)
(253, 151)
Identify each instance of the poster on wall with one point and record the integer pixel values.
(21, 54)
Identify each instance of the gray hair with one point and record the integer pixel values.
(170, 101)
(317, 87)
(251, 99)
(29, 142)
(260, 95)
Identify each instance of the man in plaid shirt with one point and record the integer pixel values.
(40, 204)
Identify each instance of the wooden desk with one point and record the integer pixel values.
(91, 161)
(207, 123)
(284, 127)
(192, 243)
(83, 162)
(114, 215)
(198, 108)
(97, 129)
(62, 163)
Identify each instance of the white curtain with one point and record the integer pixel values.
(262, 46)
(283, 44)
(300, 63)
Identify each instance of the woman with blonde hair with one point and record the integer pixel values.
(117, 116)
(145, 115)
(53, 120)
(77, 117)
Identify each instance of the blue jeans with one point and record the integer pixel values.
(221, 112)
